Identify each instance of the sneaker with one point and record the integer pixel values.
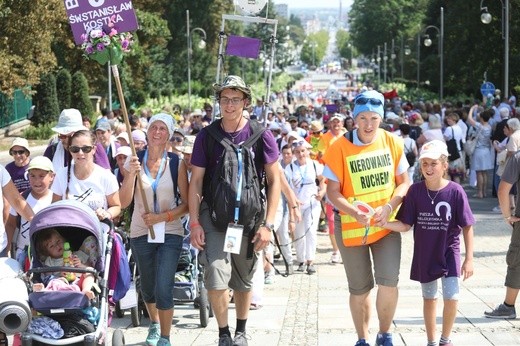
(310, 269)
(335, 258)
(384, 339)
(496, 209)
(301, 268)
(449, 343)
(163, 342)
(240, 339)
(322, 227)
(225, 340)
(154, 334)
(362, 342)
(269, 279)
(501, 311)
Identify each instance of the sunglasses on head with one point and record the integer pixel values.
(365, 100)
(298, 143)
(86, 149)
(17, 152)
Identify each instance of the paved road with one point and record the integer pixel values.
(313, 310)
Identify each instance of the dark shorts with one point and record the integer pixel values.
(222, 269)
(513, 259)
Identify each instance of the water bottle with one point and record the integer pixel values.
(67, 261)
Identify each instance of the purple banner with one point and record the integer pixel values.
(244, 47)
(85, 15)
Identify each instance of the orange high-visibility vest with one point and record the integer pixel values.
(365, 173)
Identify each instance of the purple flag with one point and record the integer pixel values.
(87, 15)
(244, 47)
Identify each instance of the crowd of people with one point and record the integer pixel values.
(360, 170)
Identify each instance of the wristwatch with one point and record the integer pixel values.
(269, 226)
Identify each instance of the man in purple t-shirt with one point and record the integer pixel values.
(223, 272)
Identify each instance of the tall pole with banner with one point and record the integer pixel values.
(102, 29)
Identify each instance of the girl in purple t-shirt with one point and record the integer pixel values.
(438, 210)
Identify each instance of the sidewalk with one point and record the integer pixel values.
(313, 310)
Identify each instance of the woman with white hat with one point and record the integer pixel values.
(70, 121)
(17, 169)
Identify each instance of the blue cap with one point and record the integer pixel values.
(369, 101)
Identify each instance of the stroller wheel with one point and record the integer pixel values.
(118, 338)
(204, 308)
(120, 313)
(136, 311)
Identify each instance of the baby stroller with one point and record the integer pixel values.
(189, 282)
(188, 287)
(82, 321)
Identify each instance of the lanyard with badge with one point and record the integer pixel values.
(159, 228)
(234, 231)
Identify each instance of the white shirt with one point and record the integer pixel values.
(92, 191)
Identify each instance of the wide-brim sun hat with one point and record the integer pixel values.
(21, 142)
(433, 150)
(316, 126)
(70, 121)
(187, 144)
(233, 82)
(369, 101)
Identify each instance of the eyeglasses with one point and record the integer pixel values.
(233, 101)
(208, 110)
(62, 136)
(17, 152)
(365, 100)
(86, 149)
(177, 139)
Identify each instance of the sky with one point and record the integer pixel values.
(314, 3)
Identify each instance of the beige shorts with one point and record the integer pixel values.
(357, 260)
(223, 270)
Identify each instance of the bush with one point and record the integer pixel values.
(46, 102)
(39, 132)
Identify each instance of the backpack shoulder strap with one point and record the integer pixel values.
(349, 135)
(217, 135)
(25, 195)
(257, 132)
(174, 171)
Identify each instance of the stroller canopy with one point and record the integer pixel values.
(68, 215)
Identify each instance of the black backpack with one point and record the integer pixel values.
(410, 156)
(221, 185)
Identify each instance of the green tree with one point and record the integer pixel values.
(63, 88)
(80, 94)
(45, 101)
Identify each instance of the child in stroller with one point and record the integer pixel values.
(50, 245)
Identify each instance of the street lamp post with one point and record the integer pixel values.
(202, 44)
(486, 18)
(428, 42)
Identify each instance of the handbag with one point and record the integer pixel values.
(469, 146)
(453, 148)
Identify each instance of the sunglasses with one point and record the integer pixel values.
(316, 133)
(60, 136)
(297, 144)
(17, 152)
(365, 100)
(86, 149)
(177, 139)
